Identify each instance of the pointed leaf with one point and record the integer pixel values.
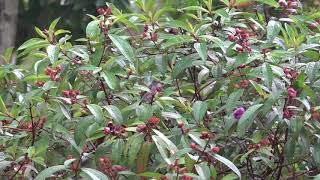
(123, 46)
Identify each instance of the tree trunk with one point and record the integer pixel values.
(8, 23)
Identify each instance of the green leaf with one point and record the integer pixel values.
(117, 151)
(110, 79)
(267, 71)
(233, 99)
(228, 163)
(53, 26)
(203, 170)
(150, 174)
(95, 174)
(39, 32)
(49, 172)
(97, 112)
(31, 43)
(80, 131)
(123, 46)
(272, 3)
(3, 107)
(53, 52)
(247, 119)
(134, 149)
(273, 29)
(194, 8)
(202, 50)
(183, 64)
(115, 113)
(199, 110)
(8, 54)
(176, 40)
(93, 29)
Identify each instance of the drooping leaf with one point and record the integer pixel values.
(123, 46)
(96, 111)
(115, 113)
(199, 110)
(48, 172)
(95, 174)
(202, 50)
(247, 119)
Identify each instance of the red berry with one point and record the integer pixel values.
(141, 127)
(193, 145)
(107, 131)
(231, 38)
(39, 83)
(66, 93)
(204, 135)
(292, 93)
(59, 68)
(283, 3)
(215, 149)
(154, 120)
(239, 31)
(154, 36)
(180, 124)
(77, 92)
(107, 11)
(101, 11)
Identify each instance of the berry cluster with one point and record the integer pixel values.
(155, 88)
(115, 130)
(315, 114)
(54, 73)
(241, 37)
(109, 169)
(290, 73)
(263, 143)
(152, 123)
(105, 11)
(290, 6)
(205, 154)
(36, 124)
(183, 129)
(175, 167)
(205, 135)
(153, 36)
(39, 83)
(72, 94)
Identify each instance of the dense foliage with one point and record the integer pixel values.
(196, 92)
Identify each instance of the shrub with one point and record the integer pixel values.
(202, 92)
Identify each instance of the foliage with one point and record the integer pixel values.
(200, 91)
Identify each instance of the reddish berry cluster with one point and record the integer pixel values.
(290, 73)
(153, 36)
(177, 170)
(183, 129)
(242, 84)
(241, 37)
(37, 124)
(263, 143)
(115, 130)
(105, 11)
(39, 83)
(205, 135)
(155, 88)
(54, 73)
(290, 6)
(152, 123)
(109, 169)
(215, 149)
(72, 94)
